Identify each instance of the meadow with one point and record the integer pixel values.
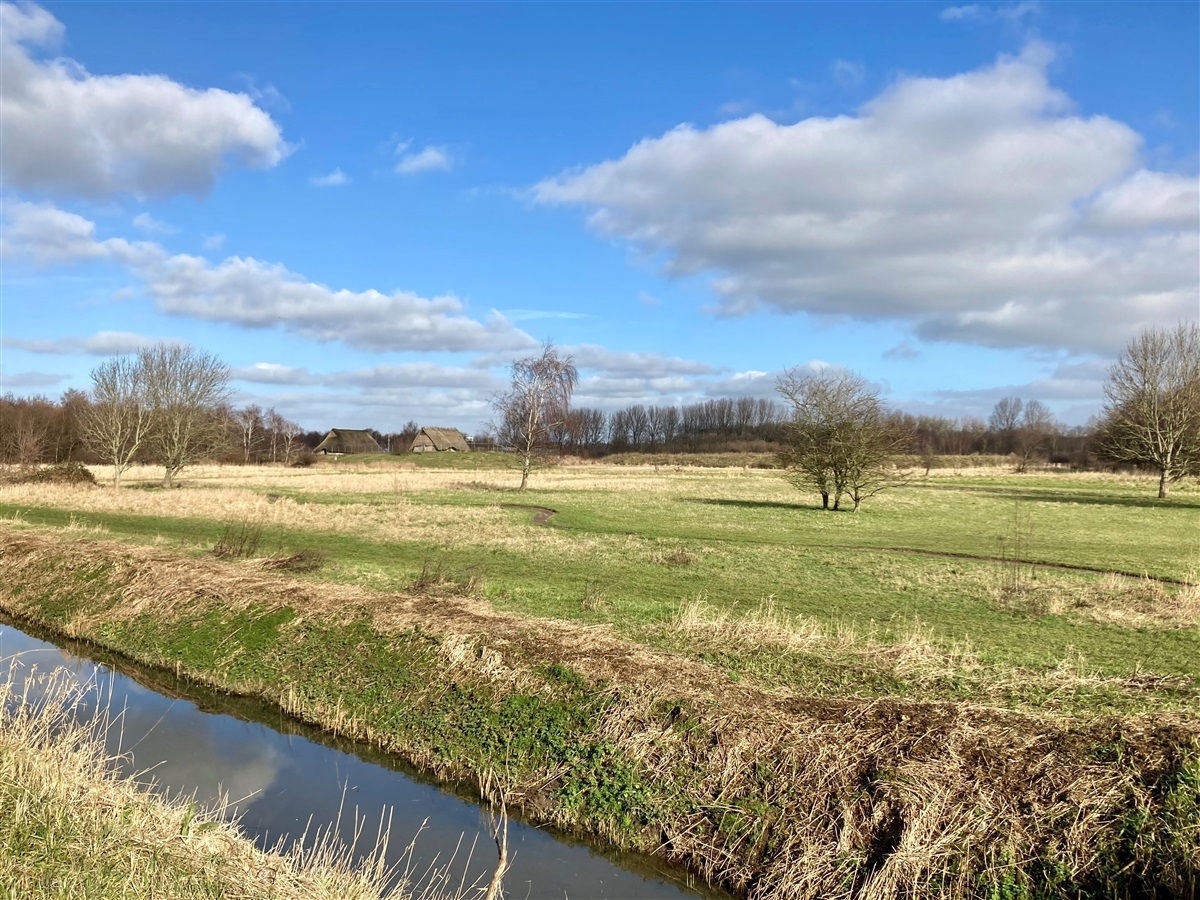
(693, 661)
(1048, 591)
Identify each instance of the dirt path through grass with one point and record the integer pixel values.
(541, 514)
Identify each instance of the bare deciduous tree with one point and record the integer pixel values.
(250, 426)
(1005, 417)
(117, 422)
(1033, 430)
(840, 440)
(283, 435)
(536, 403)
(186, 389)
(406, 436)
(1152, 413)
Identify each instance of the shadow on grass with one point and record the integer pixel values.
(1051, 495)
(759, 504)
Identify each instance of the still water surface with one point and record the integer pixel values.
(288, 777)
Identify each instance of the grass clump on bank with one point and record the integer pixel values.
(70, 827)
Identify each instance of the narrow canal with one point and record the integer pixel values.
(288, 779)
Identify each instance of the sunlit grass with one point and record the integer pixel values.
(630, 546)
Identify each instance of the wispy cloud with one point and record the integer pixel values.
(103, 343)
(427, 159)
(848, 73)
(336, 178)
(250, 293)
(903, 350)
(1008, 13)
(30, 379)
(151, 225)
(521, 315)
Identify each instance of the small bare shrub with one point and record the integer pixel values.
(239, 540)
(436, 576)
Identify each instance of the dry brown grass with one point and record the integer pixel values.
(71, 827)
(915, 656)
(1111, 599)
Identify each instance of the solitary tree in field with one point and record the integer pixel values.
(1152, 413)
(116, 423)
(536, 403)
(840, 440)
(186, 389)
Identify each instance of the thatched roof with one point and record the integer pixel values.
(348, 440)
(445, 438)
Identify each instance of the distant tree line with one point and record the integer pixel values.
(169, 405)
(41, 430)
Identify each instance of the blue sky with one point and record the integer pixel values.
(368, 210)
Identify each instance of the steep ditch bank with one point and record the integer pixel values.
(772, 795)
(286, 782)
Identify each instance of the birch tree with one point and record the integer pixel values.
(537, 402)
(116, 422)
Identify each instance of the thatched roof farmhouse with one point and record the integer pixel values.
(439, 439)
(348, 440)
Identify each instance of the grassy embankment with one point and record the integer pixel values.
(71, 827)
(699, 663)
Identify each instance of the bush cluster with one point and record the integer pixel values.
(60, 473)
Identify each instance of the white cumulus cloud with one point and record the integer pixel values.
(977, 208)
(67, 131)
(151, 225)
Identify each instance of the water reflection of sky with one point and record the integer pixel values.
(286, 784)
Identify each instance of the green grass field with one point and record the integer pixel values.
(981, 683)
(989, 587)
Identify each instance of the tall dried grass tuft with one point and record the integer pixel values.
(67, 818)
(765, 625)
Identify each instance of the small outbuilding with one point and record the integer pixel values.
(348, 440)
(441, 440)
